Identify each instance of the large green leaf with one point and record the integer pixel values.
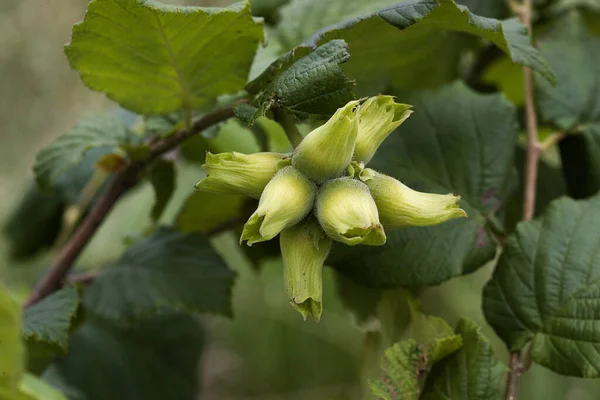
(92, 131)
(12, 352)
(302, 83)
(574, 103)
(471, 373)
(456, 141)
(486, 8)
(157, 359)
(545, 288)
(417, 43)
(155, 58)
(39, 389)
(574, 54)
(300, 19)
(168, 270)
(49, 320)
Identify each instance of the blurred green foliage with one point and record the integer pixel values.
(266, 352)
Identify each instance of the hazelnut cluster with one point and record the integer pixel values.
(322, 192)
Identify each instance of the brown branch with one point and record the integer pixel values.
(531, 173)
(84, 278)
(119, 185)
(534, 148)
(514, 376)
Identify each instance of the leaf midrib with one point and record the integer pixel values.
(185, 93)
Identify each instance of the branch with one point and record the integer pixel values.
(119, 185)
(514, 377)
(84, 278)
(553, 139)
(531, 172)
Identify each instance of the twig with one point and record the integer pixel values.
(119, 185)
(553, 139)
(514, 377)
(74, 212)
(533, 144)
(531, 173)
(84, 278)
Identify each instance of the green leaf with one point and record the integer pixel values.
(12, 352)
(573, 104)
(156, 58)
(471, 373)
(416, 43)
(228, 136)
(168, 270)
(49, 320)
(406, 364)
(403, 368)
(157, 359)
(93, 131)
(204, 212)
(545, 288)
(486, 8)
(303, 84)
(34, 224)
(574, 53)
(508, 77)
(162, 177)
(302, 18)
(456, 141)
(38, 389)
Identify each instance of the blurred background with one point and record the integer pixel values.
(266, 351)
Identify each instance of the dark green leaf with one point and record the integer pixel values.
(574, 103)
(169, 270)
(155, 58)
(471, 373)
(574, 54)
(545, 288)
(93, 131)
(157, 359)
(162, 178)
(49, 320)
(304, 85)
(302, 18)
(34, 224)
(273, 71)
(417, 43)
(486, 8)
(456, 141)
